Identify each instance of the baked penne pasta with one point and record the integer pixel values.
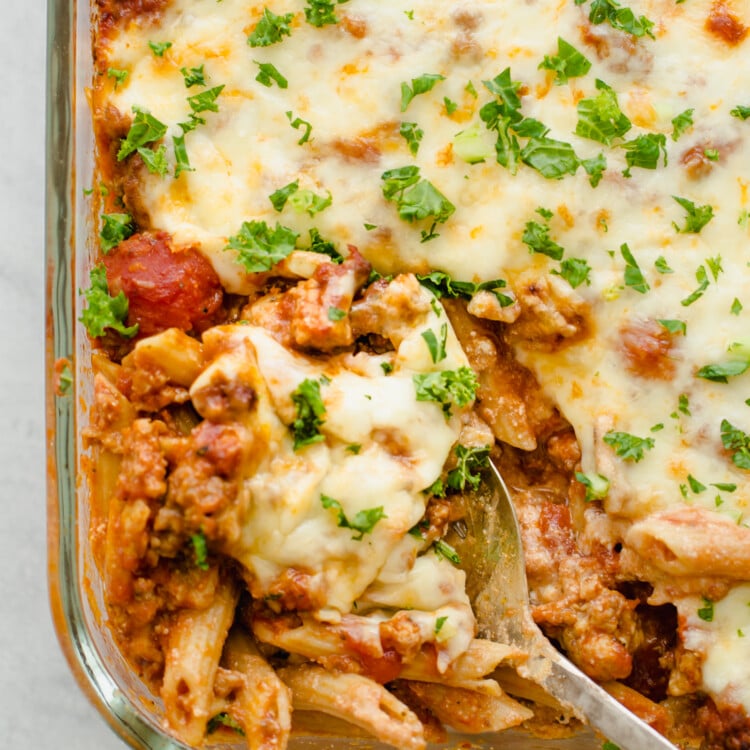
(345, 253)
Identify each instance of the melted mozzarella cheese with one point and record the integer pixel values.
(381, 448)
(347, 86)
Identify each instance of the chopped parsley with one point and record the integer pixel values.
(321, 12)
(310, 412)
(597, 486)
(551, 158)
(619, 17)
(323, 246)
(279, 197)
(182, 162)
(145, 129)
(701, 276)
(193, 76)
(155, 160)
(734, 439)
(634, 277)
(673, 326)
(736, 308)
(224, 720)
(681, 123)
(696, 486)
(536, 237)
(720, 373)
(444, 550)
(442, 285)
(206, 100)
(697, 216)
(120, 76)
(412, 134)
(436, 345)
(305, 201)
(469, 463)
(439, 622)
(628, 447)
(644, 152)
(450, 106)
(363, 522)
(270, 29)
(200, 550)
(104, 311)
(706, 612)
(447, 387)
(115, 228)
(297, 123)
(662, 266)
(575, 271)
(416, 198)
(259, 248)
(420, 85)
(567, 63)
(600, 118)
(335, 314)
(469, 145)
(740, 112)
(159, 48)
(268, 74)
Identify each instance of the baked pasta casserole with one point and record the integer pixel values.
(347, 252)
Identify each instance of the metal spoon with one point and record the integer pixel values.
(488, 540)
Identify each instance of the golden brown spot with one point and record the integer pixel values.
(725, 25)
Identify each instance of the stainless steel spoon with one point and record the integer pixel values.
(488, 540)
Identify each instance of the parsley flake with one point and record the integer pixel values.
(682, 123)
(567, 63)
(447, 387)
(600, 118)
(104, 311)
(193, 76)
(420, 85)
(159, 48)
(259, 248)
(697, 216)
(634, 277)
(145, 129)
(363, 522)
(310, 413)
(268, 74)
(270, 29)
(115, 228)
(628, 447)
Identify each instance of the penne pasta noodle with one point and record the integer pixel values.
(356, 699)
(194, 648)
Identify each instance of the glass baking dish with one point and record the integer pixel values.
(74, 585)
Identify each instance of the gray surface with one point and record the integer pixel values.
(41, 707)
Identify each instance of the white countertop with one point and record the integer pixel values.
(41, 707)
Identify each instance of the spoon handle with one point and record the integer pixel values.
(569, 685)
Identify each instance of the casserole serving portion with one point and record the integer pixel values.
(344, 252)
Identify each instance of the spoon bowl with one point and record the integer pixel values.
(488, 540)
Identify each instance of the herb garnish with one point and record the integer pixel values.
(270, 29)
(447, 387)
(104, 311)
(420, 85)
(259, 247)
(310, 412)
(115, 229)
(363, 522)
(567, 63)
(697, 216)
(628, 447)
